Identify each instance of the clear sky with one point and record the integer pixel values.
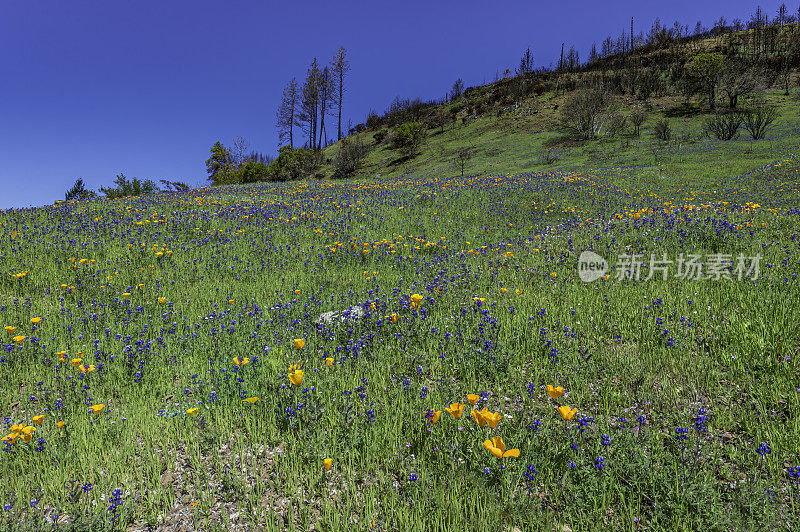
(92, 89)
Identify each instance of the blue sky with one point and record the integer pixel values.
(92, 89)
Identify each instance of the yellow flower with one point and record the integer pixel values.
(75, 362)
(126, 294)
(97, 409)
(326, 463)
(556, 392)
(10, 329)
(393, 317)
(36, 320)
(295, 375)
(492, 418)
(415, 300)
(478, 417)
(239, 363)
(251, 400)
(11, 437)
(19, 338)
(472, 398)
(192, 411)
(60, 424)
(479, 299)
(566, 412)
(503, 290)
(519, 292)
(38, 419)
(498, 448)
(161, 299)
(86, 370)
(329, 361)
(455, 410)
(297, 292)
(299, 343)
(553, 275)
(231, 301)
(433, 415)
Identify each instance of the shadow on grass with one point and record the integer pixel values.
(685, 111)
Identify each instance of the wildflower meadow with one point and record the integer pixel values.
(169, 357)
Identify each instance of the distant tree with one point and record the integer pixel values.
(707, 69)
(739, 79)
(525, 63)
(638, 117)
(306, 118)
(325, 90)
(339, 67)
(252, 172)
(125, 188)
(462, 157)
(593, 56)
(285, 116)
(782, 15)
(221, 161)
(573, 60)
(409, 137)
(239, 150)
(78, 192)
(457, 90)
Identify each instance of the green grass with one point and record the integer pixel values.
(514, 240)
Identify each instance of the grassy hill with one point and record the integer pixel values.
(515, 124)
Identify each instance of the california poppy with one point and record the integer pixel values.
(36, 320)
(251, 400)
(295, 375)
(472, 398)
(329, 361)
(566, 412)
(97, 409)
(455, 410)
(38, 419)
(299, 343)
(478, 417)
(415, 300)
(498, 448)
(492, 418)
(192, 411)
(326, 463)
(19, 338)
(10, 329)
(556, 392)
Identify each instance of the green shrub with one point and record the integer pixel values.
(409, 137)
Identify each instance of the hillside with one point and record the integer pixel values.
(515, 124)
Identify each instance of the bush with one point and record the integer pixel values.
(662, 131)
(548, 157)
(758, 119)
(252, 172)
(293, 164)
(588, 113)
(409, 137)
(723, 126)
(349, 157)
(373, 120)
(380, 136)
